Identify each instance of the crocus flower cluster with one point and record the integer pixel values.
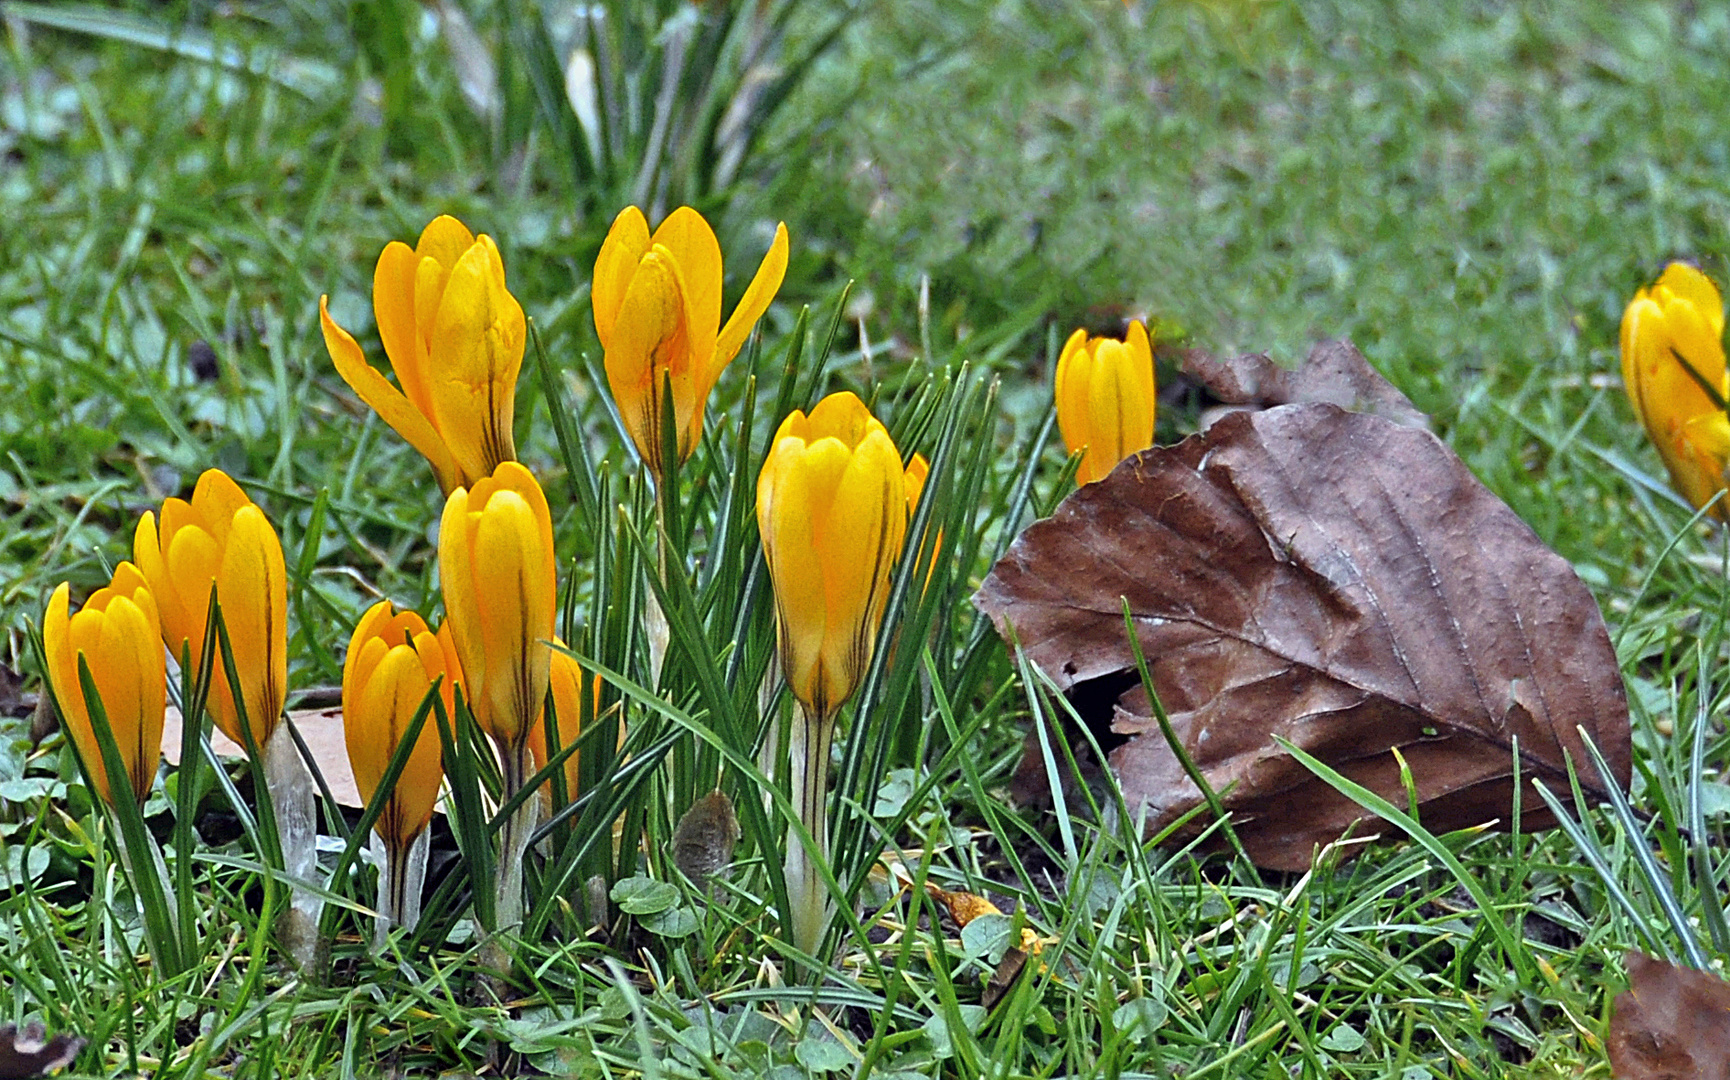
(835, 499)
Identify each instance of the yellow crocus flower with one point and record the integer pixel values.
(1105, 399)
(454, 335)
(1672, 366)
(566, 683)
(220, 538)
(832, 510)
(657, 302)
(393, 659)
(120, 637)
(497, 572)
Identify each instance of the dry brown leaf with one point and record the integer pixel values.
(1334, 372)
(1672, 1023)
(1333, 578)
(29, 1052)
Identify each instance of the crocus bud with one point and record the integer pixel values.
(393, 659)
(567, 692)
(1672, 366)
(120, 637)
(497, 572)
(454, 335)
(1105, 399)
(657, 306)
(832, 510)
(221, 538)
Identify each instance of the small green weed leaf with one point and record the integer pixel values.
(23, 864)
(821, 1053)
(644, 896)
(677, 922)
(937, 1029)
(29, 788)
(1343, 1039)
(893, 795)
(1140, 1017)
(986, 937)
(1714, 798)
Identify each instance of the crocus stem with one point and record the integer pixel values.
(654, 619)
(290, 785)
(401, 873)
(808, 769)
(770, 754)
(513, 848)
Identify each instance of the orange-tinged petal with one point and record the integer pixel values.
(171, 611)
(690, 243)
(764, 285)
(393, 291)
(626, 244)
(252, 587)
(456, 583)
(386, 400)
(477, 338)
(651, 342)
(566, 686)
(913, 480)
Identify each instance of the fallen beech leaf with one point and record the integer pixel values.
(1334, 372)
(28, 1051)
(1672, 1023)
(1333, 578)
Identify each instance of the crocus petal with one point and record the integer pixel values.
(767, 282)
(478, 338)
(860, 542)
(626, 244)
(252, 587)
(385, 399)
(1688, 283)
(393, 291)
(794, 493)
(691, 244)
(651, 341)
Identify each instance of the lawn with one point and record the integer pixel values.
(1471, 194)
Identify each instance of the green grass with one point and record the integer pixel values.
(1471, 195)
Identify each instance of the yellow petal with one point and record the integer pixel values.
(444, 240)
(857, 545)
(626, 244)
(516, 609)
(1642, 324)
(918, 469)
(1697, 289)
(147, 554)
(794, 492)
(752, 305)
(390, 404)
(1070, 392)
(690, 242)
(457, 584)
(252, 586)
(844, 417)
(393, 284)
(650, 342)
(215, 500)
(477, 342)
